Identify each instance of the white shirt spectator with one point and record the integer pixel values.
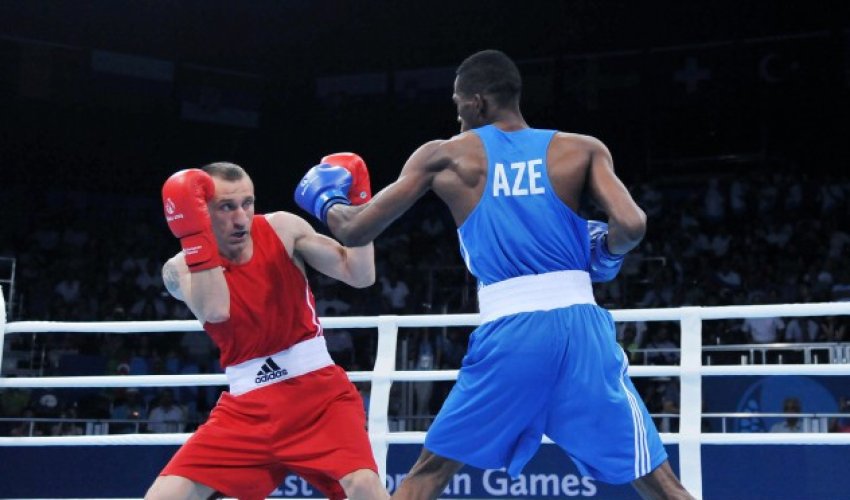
(166, 415)
(395, 291)
(801, 330)
(763, 330)
(164, 419)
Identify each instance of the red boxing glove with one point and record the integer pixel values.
(361, 189)
(184, 198)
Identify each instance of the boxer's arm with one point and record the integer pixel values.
(626, 220)
(354, 266)
(205, 293)
(358, 225)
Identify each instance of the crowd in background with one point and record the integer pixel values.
(750, 238)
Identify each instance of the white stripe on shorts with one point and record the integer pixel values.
(642, 464)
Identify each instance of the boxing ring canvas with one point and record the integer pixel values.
(711, 465)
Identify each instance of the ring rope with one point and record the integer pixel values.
(691, 371)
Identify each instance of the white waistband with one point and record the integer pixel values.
(303, 357)
(536, 292)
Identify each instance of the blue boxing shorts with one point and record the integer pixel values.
(558, 372)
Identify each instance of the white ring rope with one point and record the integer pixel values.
(218, 379)
(175, 439)
(690, 371)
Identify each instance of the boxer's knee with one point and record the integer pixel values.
(363, 484)
(177, 487)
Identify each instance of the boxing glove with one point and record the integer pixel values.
(322, 187)
(184, 198)
(604, 265)
(361, 190)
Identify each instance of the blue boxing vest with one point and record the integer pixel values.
(520, 226)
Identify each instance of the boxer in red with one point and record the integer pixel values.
(289, 407)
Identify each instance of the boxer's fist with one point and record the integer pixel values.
(322, 187)
(604, 265)
(184, 198)
(361, 189)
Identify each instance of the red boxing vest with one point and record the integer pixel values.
(271, 304)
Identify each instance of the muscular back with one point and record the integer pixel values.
(456, 170)
(462, 170)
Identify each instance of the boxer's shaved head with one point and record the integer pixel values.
(224, 170)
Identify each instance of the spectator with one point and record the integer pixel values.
(791, 423)
(423, 359)
(26, 427)
(126, 405)
(67, 427)
(834, 328)
(667, 391)
(394, 290)
(842, 424)
(763, 330)
(451, 348)
(149, 305)
(662, 349)
(166, 415)
(801, 329)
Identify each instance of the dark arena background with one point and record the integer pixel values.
(727, 121)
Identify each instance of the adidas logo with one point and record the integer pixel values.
(269, 371)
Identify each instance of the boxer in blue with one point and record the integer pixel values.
(545, 359)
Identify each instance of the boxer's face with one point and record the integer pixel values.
(231, 211)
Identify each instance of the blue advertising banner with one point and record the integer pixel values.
(729, 471)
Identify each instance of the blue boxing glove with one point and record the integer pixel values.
(322, 187)
(604, 265)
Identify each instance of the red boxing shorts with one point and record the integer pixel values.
(313, 425)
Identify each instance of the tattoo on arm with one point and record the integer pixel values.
(171, 280)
